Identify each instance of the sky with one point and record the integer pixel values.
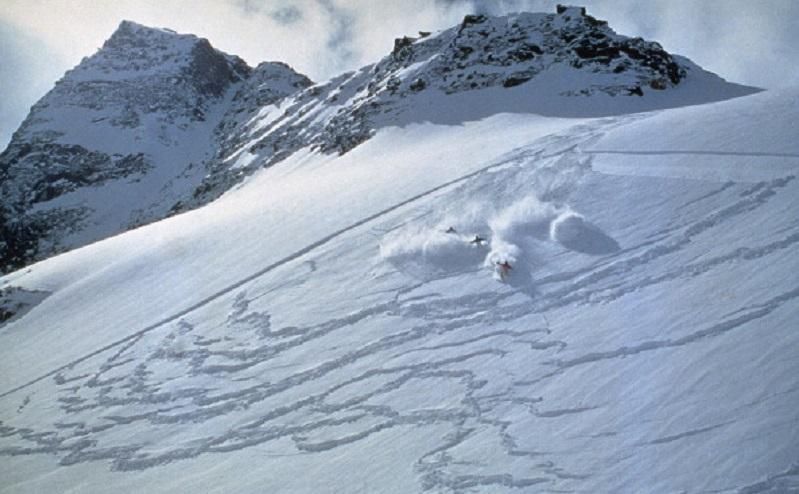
(741, 40)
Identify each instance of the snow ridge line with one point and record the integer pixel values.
(695, 152)
(291, 257)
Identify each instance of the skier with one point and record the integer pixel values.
(478, 240)
(503, 268)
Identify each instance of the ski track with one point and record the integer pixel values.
(293, 257)
(241, 370)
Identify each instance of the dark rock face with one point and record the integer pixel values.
(526, 51)
(400, 44)
(210, 73)
(44, 173)
(19, 238)
(516, 79)
(418, 85)
(15, 301)
(58, 169)
(470, 20)
(636, 90)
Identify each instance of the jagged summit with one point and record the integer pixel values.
(131, 32)
(515, 49)
(134, 28)
(135, 51)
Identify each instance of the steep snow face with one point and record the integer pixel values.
(120, 139)
(565, 64)
(329, 328)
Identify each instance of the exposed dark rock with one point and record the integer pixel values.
(19, 239)
(418, 85)
(658, 84)
(525, 52)
(464, 51)
(561, 9)
(593, 21)
(599, 51)
(210, 71)
(636, 91)
(16, 301)
(472, 19)
(650, 55)
(516, 79)
(400, 43)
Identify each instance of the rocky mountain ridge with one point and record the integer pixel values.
(157, 122)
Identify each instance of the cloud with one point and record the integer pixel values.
(744, 41)
(282, 13)
(286, 15)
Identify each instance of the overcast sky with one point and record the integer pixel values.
(752, 42)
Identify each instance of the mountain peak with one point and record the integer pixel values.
(511, 50)
(130, 30)
(138, 52)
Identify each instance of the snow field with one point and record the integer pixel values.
(343, 342)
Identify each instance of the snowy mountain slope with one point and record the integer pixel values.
(316, 330)
(157, 123)
(662, 146)
(122, 138)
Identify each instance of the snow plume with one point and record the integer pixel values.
(567, 227)
(527, 217)
(467, 218)
(574, 232)
(432, 252)
(516, 232)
